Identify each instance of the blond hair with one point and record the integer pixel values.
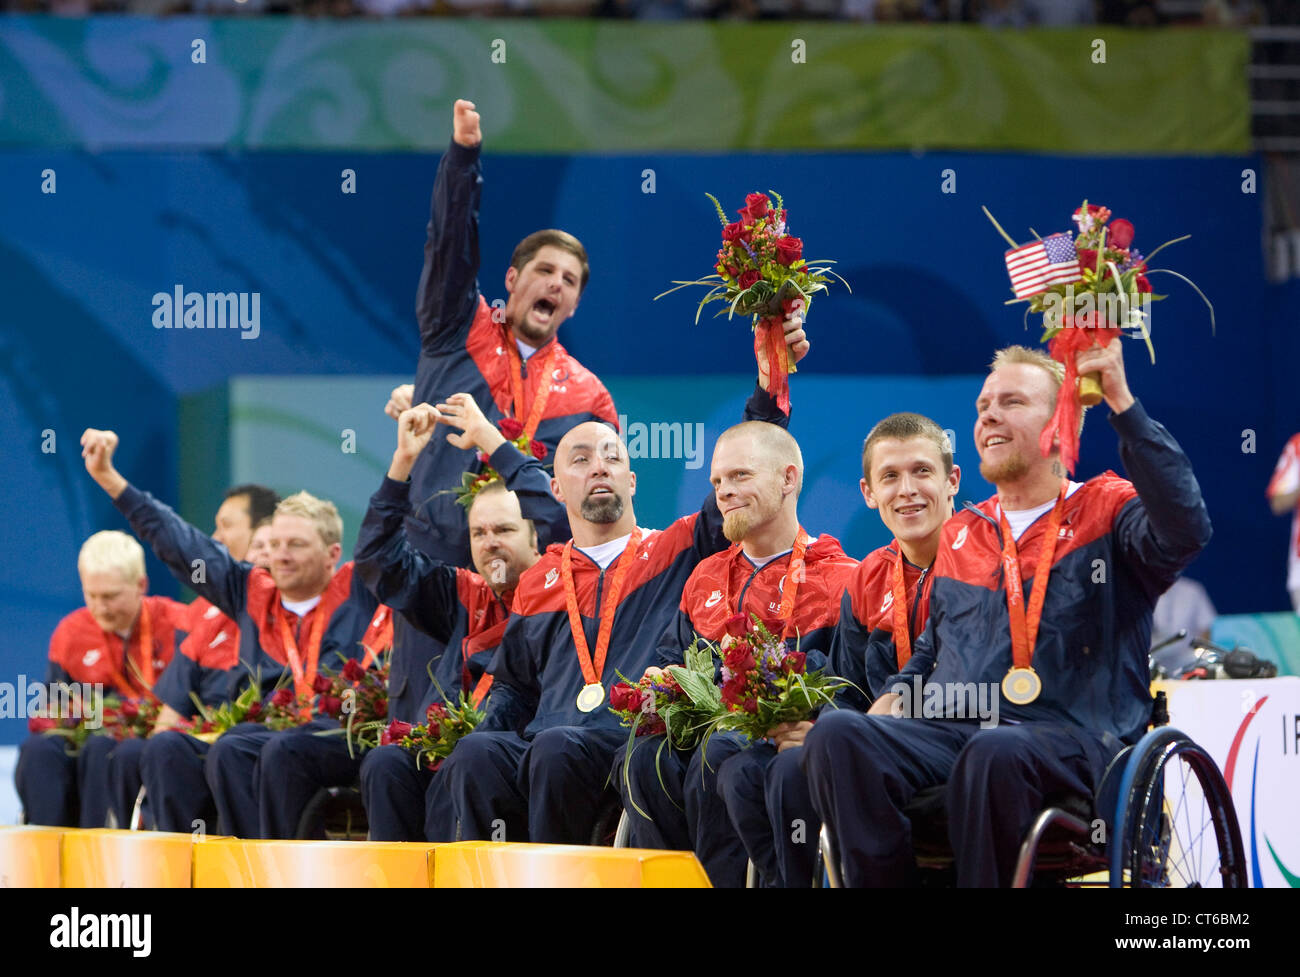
(775, 444)
(321, 513)
(112, 551)
(1036, 357)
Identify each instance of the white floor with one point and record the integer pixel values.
(9, 806)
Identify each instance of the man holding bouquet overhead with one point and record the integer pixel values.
(774, 571)
(1044, 592)
(536, 766)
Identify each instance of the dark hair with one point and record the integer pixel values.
(261, 501)
(527, 249)
(903, 427)
(496, 487)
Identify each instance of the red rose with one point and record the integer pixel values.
(282, 698)
(756, 206)
(1142, 284)
(352, 670)
(435, 712)
(747, 278)
(331, 705)
(484, 458)
(1088, 258)
(789, 250)
(130, 709)
(510, 428)
(737, 625)
(539, 450)
(793, 663)
(625, 698)
(395, 732)
(321, 684)
(731, 233)
(739, 658)
(39, 724)
(1121, 233)
(254, 711)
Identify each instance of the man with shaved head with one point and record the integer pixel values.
(773, 570)
(585, 612)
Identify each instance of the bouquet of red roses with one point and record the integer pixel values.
(211, 721)
(1090, 289)
(130, 718)
(77, 723)
(513, 431)
(762, 273)
(356, 696)
(764, 684)
(433, 740)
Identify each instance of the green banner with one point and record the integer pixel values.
(602, 86)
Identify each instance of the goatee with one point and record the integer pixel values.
(603, 509)
(735, 525)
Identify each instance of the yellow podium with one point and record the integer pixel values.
(227, 863)
(498, 865)
(29, 857)
(101, 858)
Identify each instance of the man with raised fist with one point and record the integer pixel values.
(507, 359)
(464, 611)
(303, 614)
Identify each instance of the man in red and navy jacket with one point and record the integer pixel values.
(507, 359)
(909, 478)
(773, 570)
(209, 651)
(116, 644)
(537, 765)
(301, 615)
(462, 610)
(1067, 672)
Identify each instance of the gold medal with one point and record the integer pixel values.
(1021, 686)
(591, 697)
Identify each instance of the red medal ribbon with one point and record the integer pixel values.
(517, 386)
(1024, 628)
(304, 676)
(143, 669)
(592, 670)
(902, 637)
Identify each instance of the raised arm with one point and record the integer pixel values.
(448, 291)
(192, 556)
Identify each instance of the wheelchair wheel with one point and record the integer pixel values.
(1178, 827)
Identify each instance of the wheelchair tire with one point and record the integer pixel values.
(1161, 839)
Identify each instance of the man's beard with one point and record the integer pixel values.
(735, 525)
(603, 509)
(1008, 470)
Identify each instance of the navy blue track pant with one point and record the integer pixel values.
(58, 788)
(862, 770)
(769, 806)
(171, 769)
(293, 766)
(679, 792)
(123, 779)
(505, 788)
(405, 802)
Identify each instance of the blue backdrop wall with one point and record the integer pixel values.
(336, 276)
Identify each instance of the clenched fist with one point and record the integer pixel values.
(97, 449)
(414, 428)
(465, 129)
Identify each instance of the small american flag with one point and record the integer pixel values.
(1051, 261)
